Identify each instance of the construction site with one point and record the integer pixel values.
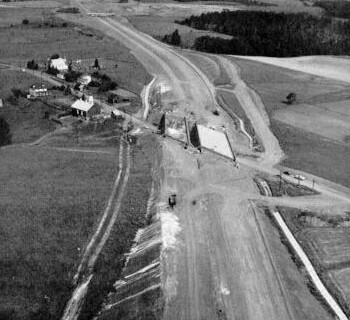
(221, 193)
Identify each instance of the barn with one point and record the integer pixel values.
(85, 108)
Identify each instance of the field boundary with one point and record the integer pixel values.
(317, 282)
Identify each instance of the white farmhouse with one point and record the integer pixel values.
(60, 64)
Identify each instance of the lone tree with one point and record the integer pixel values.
(32, 65)
(5, 132)
(52, 70)
(291, 98)
(25, 21)
(175, 38)
(97, 64)
(55, 56)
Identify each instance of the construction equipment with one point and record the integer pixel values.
(172, 201)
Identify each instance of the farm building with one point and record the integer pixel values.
(84, 80)
(85, 108)
(38, 91)
(60, 64)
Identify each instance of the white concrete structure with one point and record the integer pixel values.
(60, 64)
(214, 140)
(85, 79)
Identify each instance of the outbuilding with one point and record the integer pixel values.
(84, 80)
(85, 108)
(38, 91)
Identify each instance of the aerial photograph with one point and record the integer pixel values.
(174, 160)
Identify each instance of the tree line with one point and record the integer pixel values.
(271, 34)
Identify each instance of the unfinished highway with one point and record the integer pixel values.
(221, 267)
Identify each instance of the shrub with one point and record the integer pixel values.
(32, 65)
(25, 21)
(72, 76)
(107, 85)
(53, 71)
(17, 92)
(173, 38)
(5, 132)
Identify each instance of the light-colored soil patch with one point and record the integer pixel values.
(337, 68)
(322, 119)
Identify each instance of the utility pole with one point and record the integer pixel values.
(313, 184)
(280, 184)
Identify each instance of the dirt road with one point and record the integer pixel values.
(85, 270)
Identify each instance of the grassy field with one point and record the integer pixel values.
(325, 239)
(330, 246)
(51, 201)
(306, 148)
(159, 26)
(26, 118)
(132, 216)
(21, 43)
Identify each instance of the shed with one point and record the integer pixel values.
(38, 91)
(84, 80)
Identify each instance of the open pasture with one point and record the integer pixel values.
(330, 120)
(51, 201)
(158, 26)
(303, 138)
(38, 41)
(331, 246)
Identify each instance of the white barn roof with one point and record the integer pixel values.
(82, 105)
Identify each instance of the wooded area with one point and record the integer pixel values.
(271, 34)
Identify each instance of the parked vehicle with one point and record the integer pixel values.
(299, 177)
(172, 201)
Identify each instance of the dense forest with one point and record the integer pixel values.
(339, 9)
(271, 34)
